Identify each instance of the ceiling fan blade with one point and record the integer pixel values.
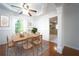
(21, 12)
(29, 14)
(15, 6)
(32, 10)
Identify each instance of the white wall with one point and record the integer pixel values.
(70, 25)
(42, 23)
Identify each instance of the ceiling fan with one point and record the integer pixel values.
(26, 7)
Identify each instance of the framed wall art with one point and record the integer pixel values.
(4, 21)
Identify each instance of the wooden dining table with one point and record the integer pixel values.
(24, 37)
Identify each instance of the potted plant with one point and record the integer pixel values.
(34, 30)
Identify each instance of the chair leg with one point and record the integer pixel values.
(33, 51)
(41, 47)
(7, 52)
(21, 51)
(41, 44)
(37, 51)
(15, 52)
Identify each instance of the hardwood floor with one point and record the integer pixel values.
(67, 51)
(50, 51)
(46, 53)
(2, 50)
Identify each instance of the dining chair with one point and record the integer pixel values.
(18, 45)
(37, 42)
(28, 46)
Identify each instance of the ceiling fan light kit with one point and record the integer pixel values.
(27, 9)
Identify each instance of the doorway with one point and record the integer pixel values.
(53, 29)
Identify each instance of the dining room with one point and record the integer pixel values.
(22, 35)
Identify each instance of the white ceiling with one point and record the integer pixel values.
(42, 8)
